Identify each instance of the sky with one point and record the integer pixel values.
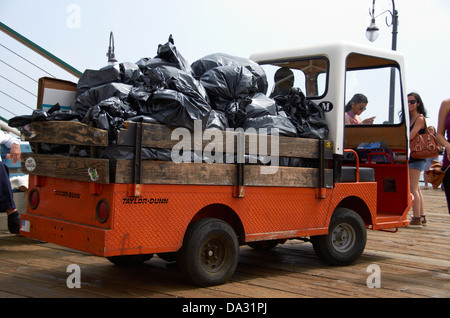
(77, 32)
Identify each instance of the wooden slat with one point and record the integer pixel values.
(159, 136)
(65, 167)
(68, 133)
(167, 172)
(286, 177)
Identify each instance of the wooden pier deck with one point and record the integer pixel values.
(413, 263)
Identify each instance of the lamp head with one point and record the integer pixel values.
(372, 31)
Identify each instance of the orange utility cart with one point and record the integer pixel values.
(128, 208)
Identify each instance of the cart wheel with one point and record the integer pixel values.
(345, 241)
(129, 260)
(210, 252)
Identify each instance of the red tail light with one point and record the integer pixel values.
(33, 199)
(102, 211)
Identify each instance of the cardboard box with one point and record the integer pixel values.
(52, 91)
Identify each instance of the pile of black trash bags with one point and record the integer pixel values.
(220, 90)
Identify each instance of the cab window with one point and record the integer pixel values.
(380, 84)
(310, 75)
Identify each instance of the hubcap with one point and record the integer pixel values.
(212, 255)
(343, 237)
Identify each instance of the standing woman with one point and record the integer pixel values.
(417, 115)
(444, 127)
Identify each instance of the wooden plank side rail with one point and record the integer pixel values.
(67, 133)
(168, 172)
(159, 136)
(74, 168)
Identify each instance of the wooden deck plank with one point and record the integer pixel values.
(414, 263)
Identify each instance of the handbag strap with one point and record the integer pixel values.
(425, 121)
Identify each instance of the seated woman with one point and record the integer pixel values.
(354, 109)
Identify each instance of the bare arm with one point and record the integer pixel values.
(419, 124)
(369, 120)
(440, 134)
(14, 153)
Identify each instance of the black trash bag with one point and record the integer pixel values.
(315, 125)
(95, 95)
(39, 115)
(180, 81)
(261, 105)
(308, 117)
(228, 83)
(156, 77)
(110, 115)
(280, 122)
(211, 61)
(54, 149)
(95, 78)
(117, 108)
(98, 117)
(229, 88)
(20, 121)
(64, 115)
(139, 97)
(179, 102)
(165, 77)
(168, 52)
(63, 150)
(167, 55)
(217, 120)
(131, 74)
(143, 119)
(147, 64)
(175, 109)
(55, 113)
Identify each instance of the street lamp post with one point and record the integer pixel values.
(372, 35)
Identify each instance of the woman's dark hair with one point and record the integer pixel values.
(357, 98)
(420, 106)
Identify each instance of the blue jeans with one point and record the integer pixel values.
(419, 165)
(6, 193)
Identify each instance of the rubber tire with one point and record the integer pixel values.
(129, 260)
(210, 252)
(353, 243)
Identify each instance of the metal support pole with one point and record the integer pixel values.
(394, 48)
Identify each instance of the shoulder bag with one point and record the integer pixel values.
(435, 174)
(425, 145)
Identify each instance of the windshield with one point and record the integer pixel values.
(372, 85)
(310, 75)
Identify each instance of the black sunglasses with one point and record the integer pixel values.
(412, 102)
